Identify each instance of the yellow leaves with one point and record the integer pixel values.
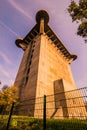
(8, 96)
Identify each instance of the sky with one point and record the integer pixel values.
(17, 18)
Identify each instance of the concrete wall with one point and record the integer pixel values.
(52, 66)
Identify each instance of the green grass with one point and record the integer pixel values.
(27, 123)
(66, 125)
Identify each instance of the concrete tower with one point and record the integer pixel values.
(45, 66)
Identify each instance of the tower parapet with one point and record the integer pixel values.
(42, 19)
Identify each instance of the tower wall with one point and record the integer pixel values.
(52, 66)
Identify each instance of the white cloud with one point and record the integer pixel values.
(8, 28)
(20, 9)
(4, 72)
(5, 57)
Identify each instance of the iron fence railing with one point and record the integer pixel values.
(69, 105)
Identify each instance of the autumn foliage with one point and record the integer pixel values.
(7, 97)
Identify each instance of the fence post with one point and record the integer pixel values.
(44, 113)
(9, 118)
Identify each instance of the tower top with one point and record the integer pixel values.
(42, 14)
(41, 27)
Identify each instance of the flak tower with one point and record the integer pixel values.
(45, 66)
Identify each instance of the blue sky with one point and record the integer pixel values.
(17, 17)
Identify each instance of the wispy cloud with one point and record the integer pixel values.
(5, 57)
(4, 72)
(8, 28)
(20, 9)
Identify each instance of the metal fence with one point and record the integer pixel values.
(70, 105)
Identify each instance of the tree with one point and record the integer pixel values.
(78, 12)
(7, 97)
(0, 82)
(4, 87)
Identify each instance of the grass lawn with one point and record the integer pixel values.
(27, 123)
